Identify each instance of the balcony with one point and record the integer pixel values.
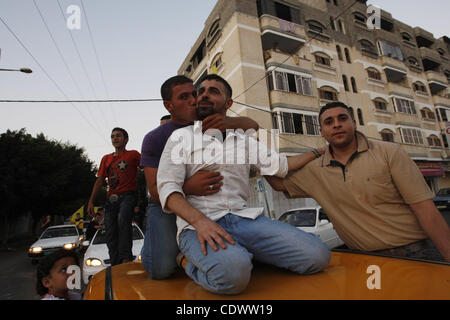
(436, 81)
(395, 69)
(281, 34)
(278, 59)
(430, 58)
(279, 98)
(441, 101)
(423, 38)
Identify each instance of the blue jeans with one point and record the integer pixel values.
(228, 271)
(160, 248)
(118, 228)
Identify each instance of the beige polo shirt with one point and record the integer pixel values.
(366, 200)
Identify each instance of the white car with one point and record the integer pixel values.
(313, 220)
(96, 257)
(53, 239)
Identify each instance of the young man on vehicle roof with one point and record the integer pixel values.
(160, 247)
(373, 192)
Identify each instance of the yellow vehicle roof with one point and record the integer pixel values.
(349, 276)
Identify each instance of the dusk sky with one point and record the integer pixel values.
(135, 46)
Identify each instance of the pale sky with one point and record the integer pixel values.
(139, 43)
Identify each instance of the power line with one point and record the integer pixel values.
(46, 73)
(84, 101)
(83, 66)
(60, 54)
(98, 60)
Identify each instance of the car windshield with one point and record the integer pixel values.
(300, 218)
(100, 236)
(59, 232)
(444, 192)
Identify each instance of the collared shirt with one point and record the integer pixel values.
(367, 199)
(188, 151)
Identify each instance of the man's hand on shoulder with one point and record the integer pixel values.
(222, 123)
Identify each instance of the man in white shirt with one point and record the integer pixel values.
(217, 233)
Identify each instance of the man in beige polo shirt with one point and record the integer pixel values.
(373, 192)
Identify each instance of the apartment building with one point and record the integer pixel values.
(285, 59)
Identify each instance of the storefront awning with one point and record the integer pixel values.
(431, 169)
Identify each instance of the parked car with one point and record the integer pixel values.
(442, 199)
(53, 239)
(313, 220)
(96, 257)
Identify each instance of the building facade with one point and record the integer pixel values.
(285, 59)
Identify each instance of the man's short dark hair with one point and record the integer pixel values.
(332, 105)
(229, 91)
(124, 132)
(167, 86)
(166, 117)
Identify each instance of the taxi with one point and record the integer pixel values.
(349, 276)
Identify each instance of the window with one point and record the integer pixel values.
(360, 117)
(407, 37)
(328, 93)
(339, 52)
(413, 62)
(434, 141)
(444, 139)
(300, 123)
(387, 135)
(411, 136)
(322, 59)
(404, 106)
(347, 55)
(359, 18)
(368, 47)
(441, 52)
(333, 26)
(447, 74)
(283, 11)
(316, 26)
(341, 26)
(389, 50)
(344, 79)
(420, 87)
(354, 88)
(427, 114)
(374, 74)
(442, 114)
(291, 82)
(380, 105)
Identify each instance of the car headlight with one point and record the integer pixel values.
(93, 262)
(35, 249)
(69, 246)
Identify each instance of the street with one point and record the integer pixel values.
(17, 275)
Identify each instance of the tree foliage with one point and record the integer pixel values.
(43, 176)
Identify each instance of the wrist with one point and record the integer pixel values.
(316, 153)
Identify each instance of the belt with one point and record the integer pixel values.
(406, 249)
(115, 197)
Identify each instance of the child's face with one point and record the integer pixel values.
(56, 281)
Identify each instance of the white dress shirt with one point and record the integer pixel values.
(188, 151)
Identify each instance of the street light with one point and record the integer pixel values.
(24, 70)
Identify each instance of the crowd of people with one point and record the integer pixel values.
(197, 216)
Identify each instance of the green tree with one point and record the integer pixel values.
(45, 177)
